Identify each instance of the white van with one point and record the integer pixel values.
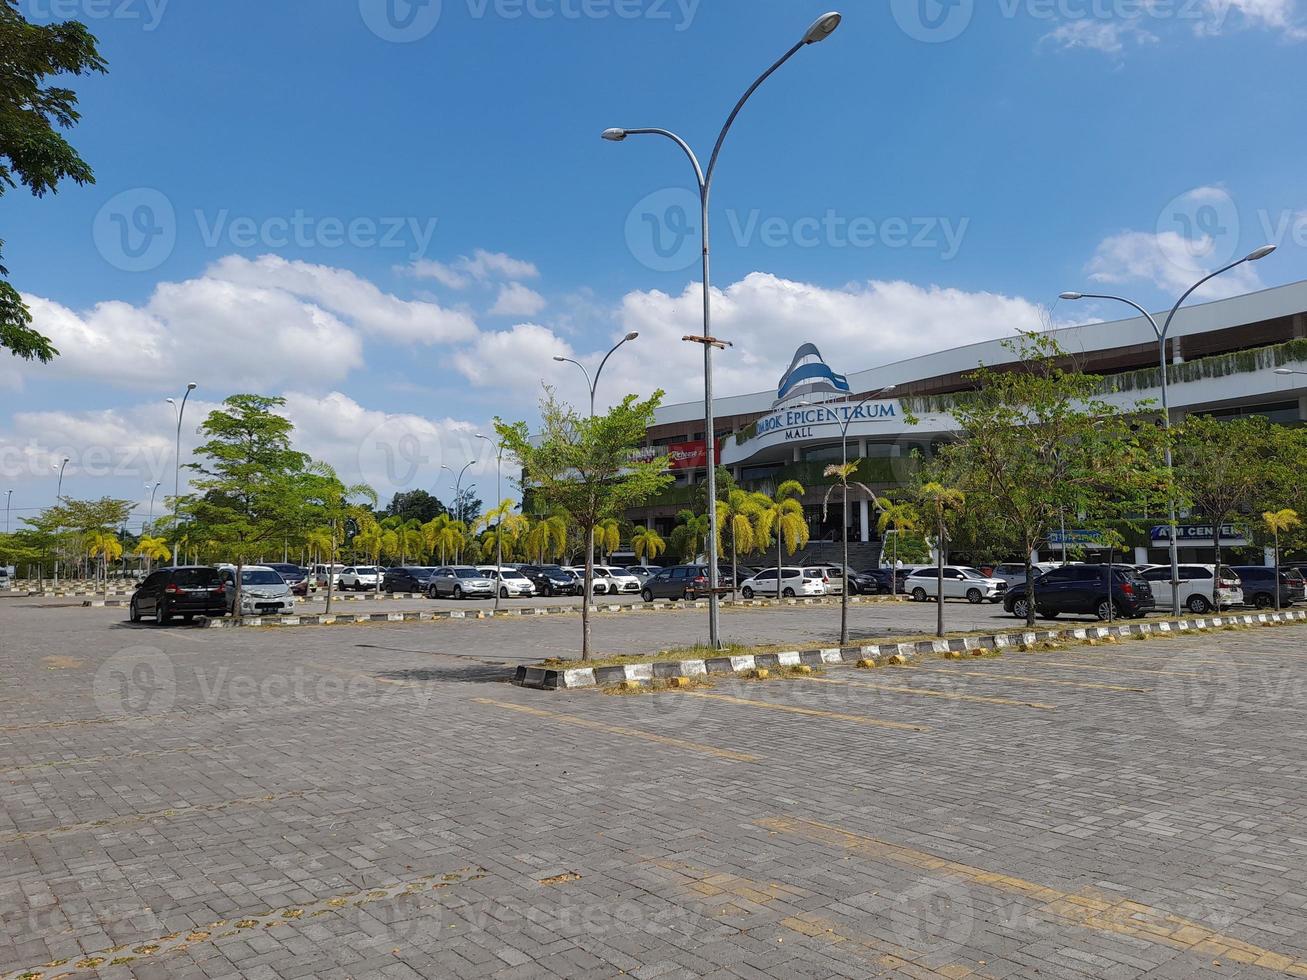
(1195, 587)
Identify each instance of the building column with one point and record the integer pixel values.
(864, 509)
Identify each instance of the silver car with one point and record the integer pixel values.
(460, 582)
(512, 583)
(263, 591)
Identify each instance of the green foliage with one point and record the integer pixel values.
(415, 505)
(32, 152)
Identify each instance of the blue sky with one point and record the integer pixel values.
(929, 176)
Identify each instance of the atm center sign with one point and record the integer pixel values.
(800, 423)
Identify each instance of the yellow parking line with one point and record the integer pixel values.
(815, 712)
(1085, 909)
(927, 693)
(599, 726)
(1034, 680)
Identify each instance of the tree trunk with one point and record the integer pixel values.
(331, 567)
(586, 588)
(1277, 570)
(735, 562)
(1030, 589)
(778, 564)
(236, 609)
(844, 571)
(1216, 567)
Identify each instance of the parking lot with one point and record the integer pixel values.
(379, 801)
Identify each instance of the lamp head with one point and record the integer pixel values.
(1071, 296)
(560, 360)
(1285, 371)
(888, 388)
(192, 386)
(614, 135)
(823, 27)
(1260, 253)
(631, 336)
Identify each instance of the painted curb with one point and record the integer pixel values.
(551, 679)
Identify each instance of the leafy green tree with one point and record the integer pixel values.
(690, 536)
(647, 544)
(740, 511)
(1280, 522)
(415, 505)
(547, 538)
(32, 151)
(581, 467)
(608, 537)
(1037, 443)
(152, 549)
(1223, 469)
(780, 516)
(901, 518)
(503, 530)
(841, 472)
(939, 504)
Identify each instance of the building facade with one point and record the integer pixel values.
(1223, 358)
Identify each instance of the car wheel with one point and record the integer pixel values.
(1263, 600)
(1106, 610)
(1198, 604)
(919, 594)
(974, 597)
(503, 593)
(133, 613)
(458, 592)
(789, 593)
(646, 595)
(547, 591)
(431, 593)
(747, 592)
(1021, 609)
(161, 618)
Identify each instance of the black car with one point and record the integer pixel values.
(409, 578)
(551, 580)
(876, 582)
(1259, 585)
(887, 580)
(681, 582)
(1083, 590)
(293, 575)
(189, 591)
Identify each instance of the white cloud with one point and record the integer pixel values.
(1275, 15)
(1105, 36)
(350, 296)
(481, 266)
(1169, 261)
(516, 360)
(517, 300)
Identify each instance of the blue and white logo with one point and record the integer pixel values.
(808, 373)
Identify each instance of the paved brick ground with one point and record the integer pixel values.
(376, 801)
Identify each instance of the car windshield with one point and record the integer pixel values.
(970, 573)
(511, 573)
(468, 573)
(366, 571)
(195, 578)
(259, 577)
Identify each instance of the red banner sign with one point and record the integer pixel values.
(691, 455)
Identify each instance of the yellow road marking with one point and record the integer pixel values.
(1086, 909)
(1034, 680)
(926, 692)
(815, 712)
(599, 726)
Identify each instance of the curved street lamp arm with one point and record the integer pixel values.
(1211, 275)
(694, 160)
(599, 373)
(1131, 303)
(590, 384)
(721, 138)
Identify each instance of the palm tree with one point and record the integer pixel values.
(781, 515)
(547, 538)
(690, 534)
(446, 535)
(152, 550)
(939, 502)
(898, 516)
(503, 529)
(1277, 522)
(369, 539)
(608, 537)
(105, 546)
(739, 511)
(841, 472)
(647, 543)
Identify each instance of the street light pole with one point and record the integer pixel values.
(1162, 333)
(499, 524)
(458, 484)
(821, 29)
(177, 466)
(593, 385)
(58, 498)
(9, 495)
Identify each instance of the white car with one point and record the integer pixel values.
(512, 583)
(960, 582)
(318, 576)
(794, 582)
(1014, 572)
(359, 578)
(1195, 587)
(263, 591)
(617, 580)
(599, 585)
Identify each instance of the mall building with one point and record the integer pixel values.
(1223, 357)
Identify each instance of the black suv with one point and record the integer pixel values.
(1082, 589)
(1259, 585)
(411, 578)
(681, 582)
(189, 591)
(551, 580)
